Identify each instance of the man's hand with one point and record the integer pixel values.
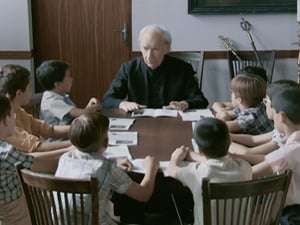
(130, 106)
(182, 105)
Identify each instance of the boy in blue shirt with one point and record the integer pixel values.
(57, 108)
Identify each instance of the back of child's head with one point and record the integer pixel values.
(51, 71)
(288, 101)
(13, 78)
(254, 70)
(212, 137)
(251, 89)
(278, 85)
(89, 131)
(5, 108)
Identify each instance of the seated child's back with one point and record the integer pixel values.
(57, 108)
(249, 114)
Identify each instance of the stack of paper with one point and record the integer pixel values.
(122, 138)
(120, 151)
(120, 123)
(195, 115)
(154, 113)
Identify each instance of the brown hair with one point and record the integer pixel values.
(13, 78)
(5, 109)
(251, 89)
(88, 131)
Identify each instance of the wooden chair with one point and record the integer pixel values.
(196, 59)
(255, 202)
(52, 200)
(248, 58)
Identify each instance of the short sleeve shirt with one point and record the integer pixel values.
(76, 164)
(253, 120)
(10, 188)
(278, 138)
(288, 157)
(55, 108)
(218, 170)
(28, 130)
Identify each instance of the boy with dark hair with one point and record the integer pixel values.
(249, 115)
(15, 84)
(89, 134)
(13, 207)
(286, 111)
(213, 140)
(267, 142)
(57, 108)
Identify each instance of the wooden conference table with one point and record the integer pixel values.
(157, 137)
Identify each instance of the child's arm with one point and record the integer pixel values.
(253, 159)
(124, 164)
(233, 126)
(195, 157)
(261, 169)
(224, 115)
(92, 106)
(222, 106)
(52, 146)
(143, 191)
(178, 155)
(251, 140)
(260, 149)
(60, 131)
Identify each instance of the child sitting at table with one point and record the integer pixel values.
(248, 71)
(15, 84)
(286, 111)
(267, 142)
(213, 140)
(57, 108)
(89, 134)
(13, 207)
(249, 115)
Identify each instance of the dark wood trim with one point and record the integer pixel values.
(16, 54)
(223, 54)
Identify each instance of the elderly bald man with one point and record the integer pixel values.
(154, 80)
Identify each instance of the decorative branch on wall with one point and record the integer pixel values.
(241, 6)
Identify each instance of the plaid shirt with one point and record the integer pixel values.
(76, 164)
(10, 188)
(253, 120)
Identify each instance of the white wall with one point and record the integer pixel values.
(16, 31)
(15, 25)
(200, 32)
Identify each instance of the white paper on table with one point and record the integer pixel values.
(120, 123)
(154, 113)
(120, 151)
(195, 115)
(122, 138)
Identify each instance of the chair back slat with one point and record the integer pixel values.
(249, 59)
(196, 59)
(254, 202)
(60, 201)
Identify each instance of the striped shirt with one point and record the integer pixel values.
(10, 188)
(76, 164)
(253, 120)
